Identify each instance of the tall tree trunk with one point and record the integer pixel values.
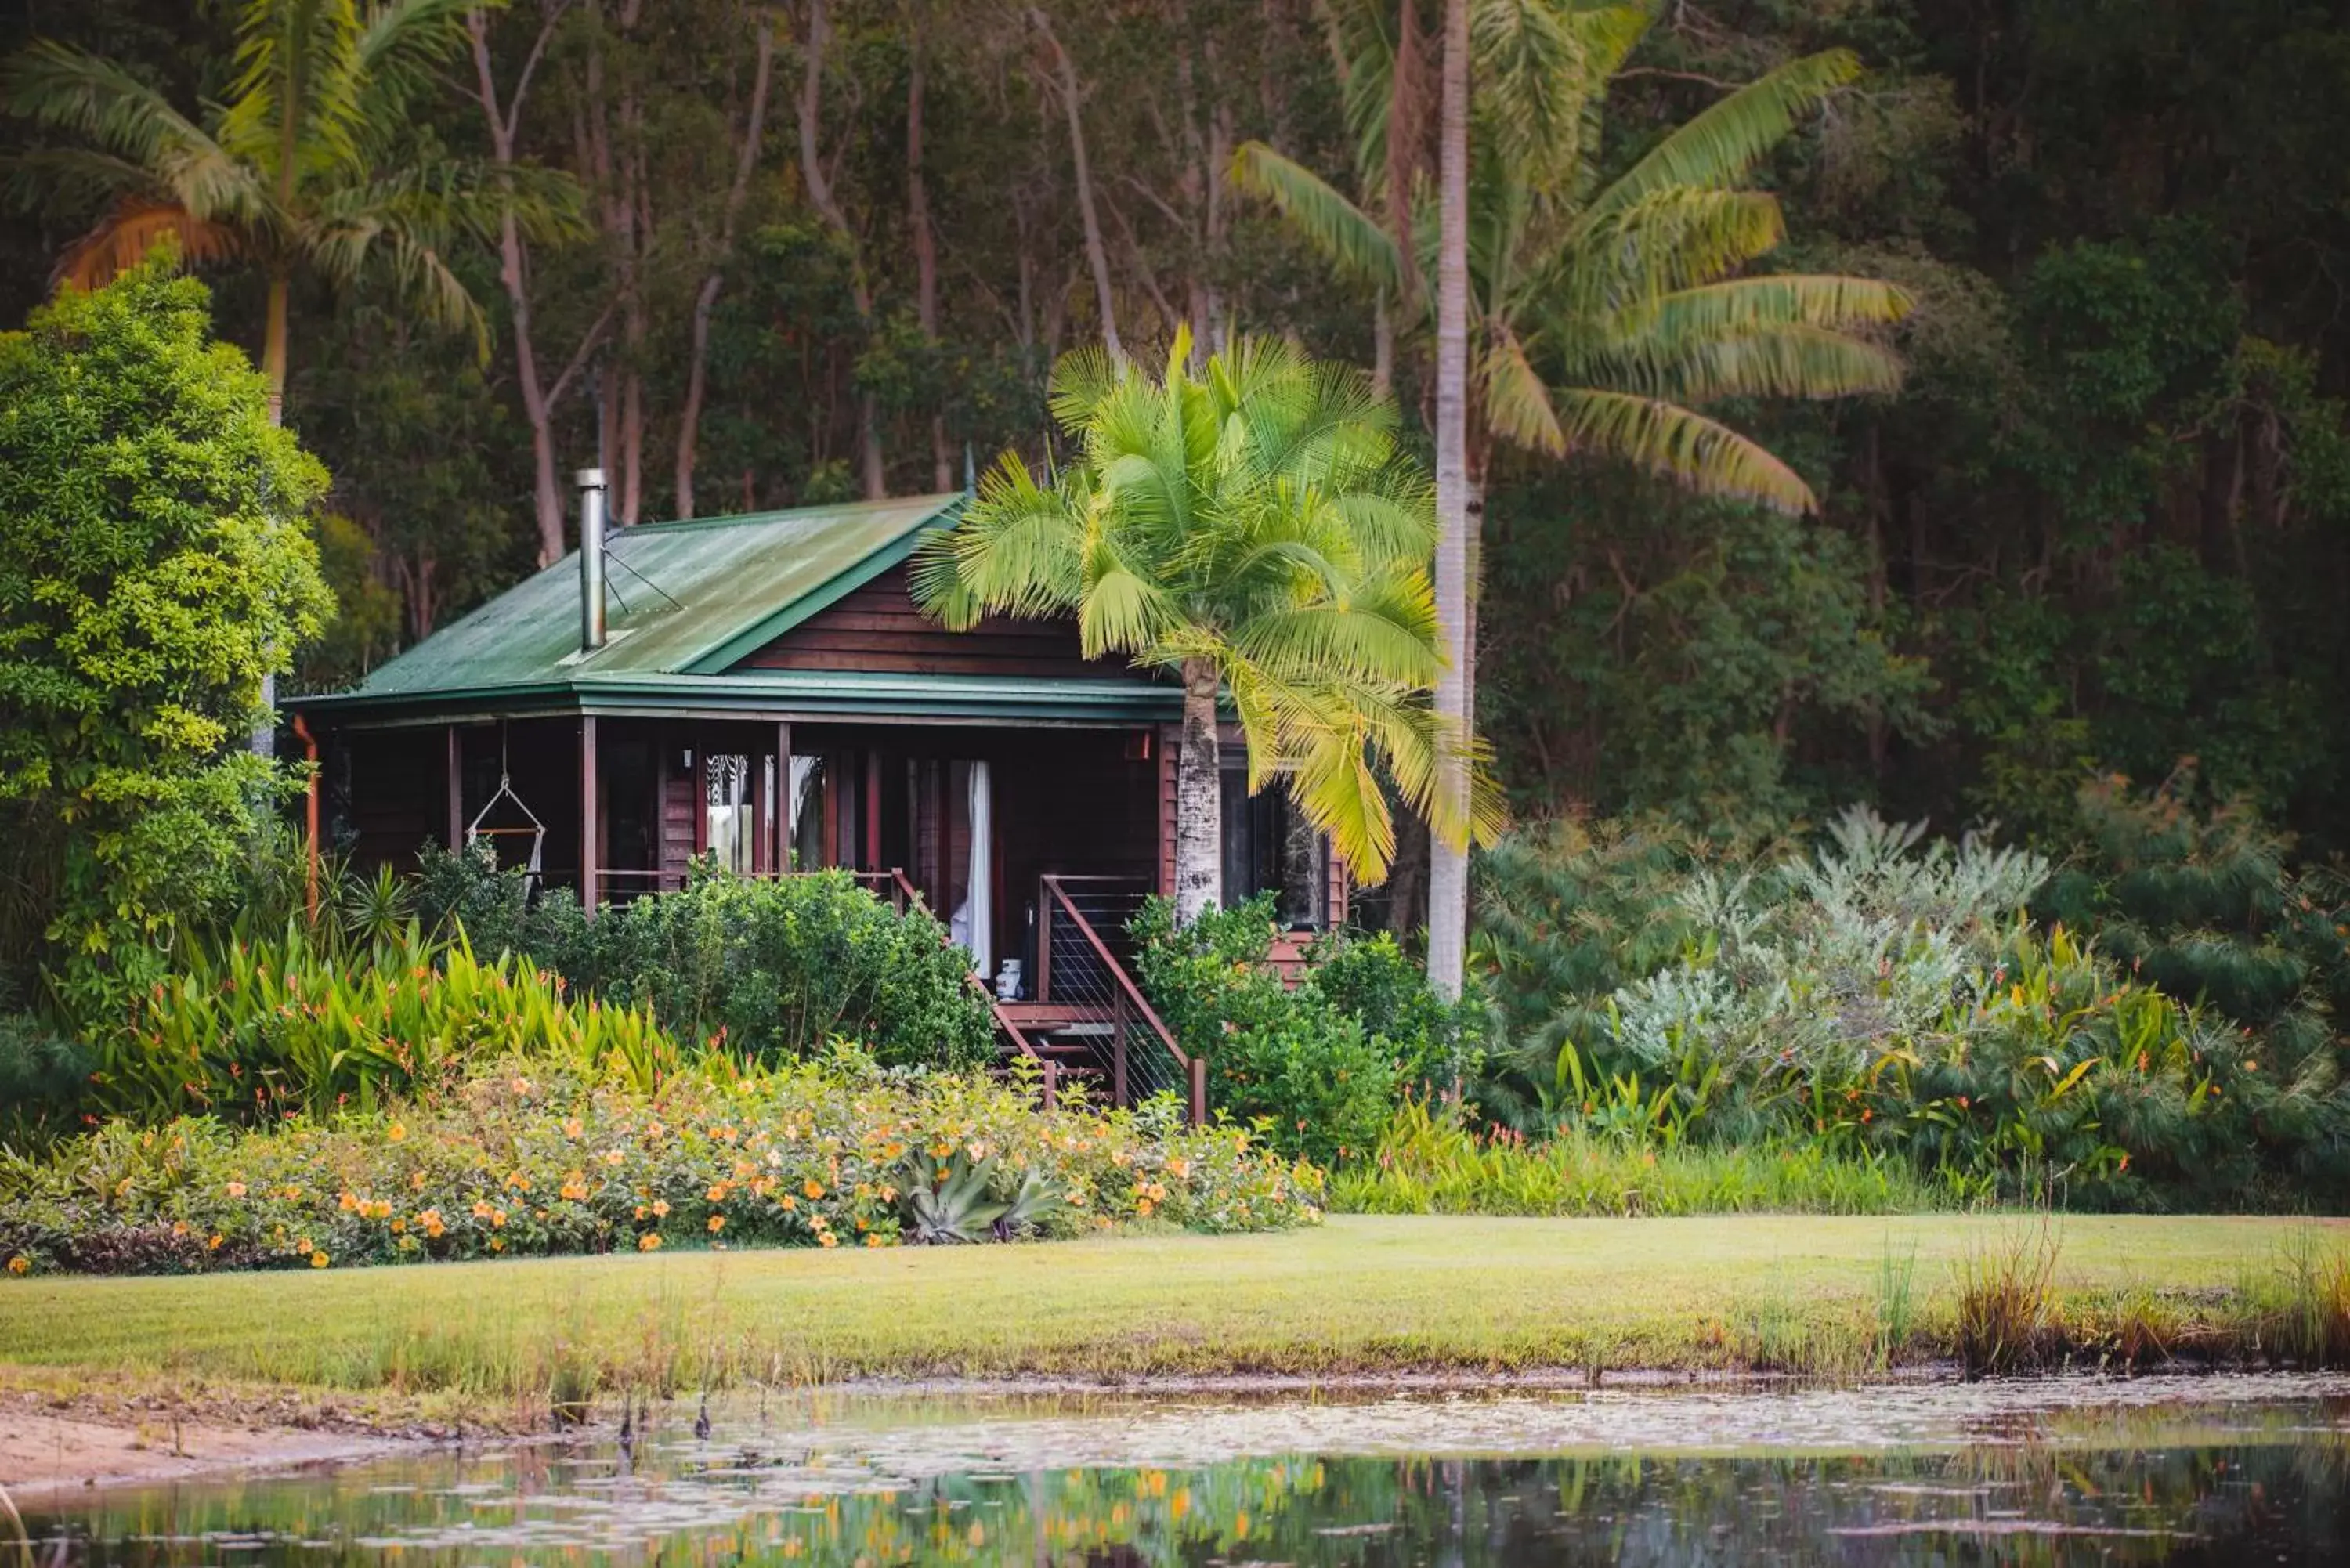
(926, 249)
(539, 398)
(263, 742)
(827, 202)
(1097, 254)
(1199, 798)
(1448, 872)
(1382, 346)
(705, 299)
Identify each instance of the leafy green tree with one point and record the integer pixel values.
(155, 564)
(1255, 529)
(308, 167)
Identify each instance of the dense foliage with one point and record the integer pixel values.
(155, 564)
(1881, 994)
(542, 1154)
(1322, 1065)
(768, 968)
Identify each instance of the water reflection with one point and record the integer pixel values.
(2121, 1480)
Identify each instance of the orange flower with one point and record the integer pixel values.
(613, 1156)
(718, 1192)
(813, 1188)
(873, 1241)
(827, 1238)
(20, 1264)
(236, 1189)
(318, 1259)
(395, 1132)
(649, 1242)
(571, 1126)
(788, 1202)
(349, 1203)
(661, 1208)
(717, 1223)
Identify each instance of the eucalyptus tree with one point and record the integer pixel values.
(1253, 528)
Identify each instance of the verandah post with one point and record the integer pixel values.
(1198, 1109)
(588, 815)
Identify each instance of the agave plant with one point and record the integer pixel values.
(950, 1201)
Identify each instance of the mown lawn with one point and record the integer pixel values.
(1357, 1295)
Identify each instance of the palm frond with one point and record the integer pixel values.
(1684, 446)
(1324, 219)
(131, 230)
(1517, 404)
(1750, 303)
(1798, 361)
(1722, 144)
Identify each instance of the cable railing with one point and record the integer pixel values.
(1099, 1020)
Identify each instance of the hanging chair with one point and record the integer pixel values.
(475, 832)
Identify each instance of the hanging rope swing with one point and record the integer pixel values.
(475, 832)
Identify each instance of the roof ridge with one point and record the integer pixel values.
(927, 502)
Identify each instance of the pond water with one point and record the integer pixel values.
(2239, 1469)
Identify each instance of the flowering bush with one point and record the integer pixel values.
(536, 1158)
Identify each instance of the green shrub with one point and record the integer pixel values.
(1319, 1066)
(773, 969)
(155, 566)
(43, 1075)
(530, 1157)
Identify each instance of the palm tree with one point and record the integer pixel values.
(1447, 871)
(305, 168)
(1602, 316)
(1254, 528)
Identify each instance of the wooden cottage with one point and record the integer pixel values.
(762, 689)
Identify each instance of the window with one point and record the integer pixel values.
(1269, 847)
(727, 799)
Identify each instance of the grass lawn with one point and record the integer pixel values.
(1357, 1295)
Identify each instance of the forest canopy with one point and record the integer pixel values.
(761, 255)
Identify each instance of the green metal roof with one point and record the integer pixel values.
(688, 601)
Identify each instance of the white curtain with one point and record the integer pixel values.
(980, 906)
(803, 769)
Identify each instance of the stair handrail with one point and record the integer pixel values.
(911, 897)
(1195, 1072)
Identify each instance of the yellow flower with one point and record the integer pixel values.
(318, 1259)
(717, 1223)
(236, 1189)
(395, 1132)
(649, 1242)
(20, 1264)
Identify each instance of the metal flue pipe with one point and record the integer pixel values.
(591, 558)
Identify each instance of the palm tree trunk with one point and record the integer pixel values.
(1447, 871)
(1199, 798)
(273, 369)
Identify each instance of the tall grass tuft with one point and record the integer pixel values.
(2008, 1315)
(1897, 1314)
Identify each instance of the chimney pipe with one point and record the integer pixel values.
(591, 558)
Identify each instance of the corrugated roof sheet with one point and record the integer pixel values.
(714, 584)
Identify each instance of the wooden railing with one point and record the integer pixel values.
(1112, 993)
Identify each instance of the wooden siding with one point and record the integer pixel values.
(877, 628)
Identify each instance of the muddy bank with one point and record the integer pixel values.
(44, 1454)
